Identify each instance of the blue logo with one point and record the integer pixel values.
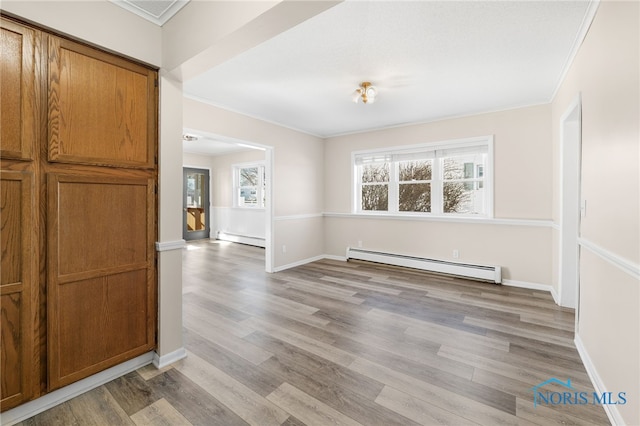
(571, 396)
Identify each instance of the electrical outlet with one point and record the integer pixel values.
(360, 243)
(284, 248)
(456, 254)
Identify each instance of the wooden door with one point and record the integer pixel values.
(102, 108)
(19, 290)
(78, 220)
(101, 279)
(18, 287)
(18, 91)
(101, 217)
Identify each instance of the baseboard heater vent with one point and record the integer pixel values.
(479, 272)
(243, 239)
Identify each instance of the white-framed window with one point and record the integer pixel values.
(450, 178)
(249, 185)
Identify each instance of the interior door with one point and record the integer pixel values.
(195, 204)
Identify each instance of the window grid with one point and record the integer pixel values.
(244, 173)
(460, 184)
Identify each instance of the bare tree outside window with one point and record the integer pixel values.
(249, 176)
(375, 186)
(455, 195)
(251, 186)
(415, 186)
(443, 179)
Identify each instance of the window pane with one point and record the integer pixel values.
(248, 196)
(415, 170)
(249, 176)
(467, 195)
(415, 197)
(464, 167)
(377, 172)
(459, 198)
(375, 197)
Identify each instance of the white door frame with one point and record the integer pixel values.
(570, 204)
(268, 171)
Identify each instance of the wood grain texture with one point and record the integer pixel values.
(109, 128)
(398, 357)
(246, 403)
(19, 105)
(307, 408)
(100, 273)
(160, 413)
(18, 283)
(197, 405)
(27, 342)
(416, 409)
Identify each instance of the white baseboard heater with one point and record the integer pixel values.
(244, 239)
(479, 272)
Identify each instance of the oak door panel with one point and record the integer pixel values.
(101, 291)
(17, 287)
(18, 112)
(101, 108)
(102, 225)
(101, 319)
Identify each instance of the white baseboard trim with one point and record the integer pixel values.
(526, 284)
(309, 260)
(168, 359)
(299, 263)
(612, 410)
(532, 286)
(555, 295)
(50, 400)
(334, 257)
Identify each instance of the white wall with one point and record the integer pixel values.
(297, 177)
(519, 239)
(170, 217)
(606, 72)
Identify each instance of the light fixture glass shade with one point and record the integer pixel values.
(371, 92)
(365, 93)
(356, 96)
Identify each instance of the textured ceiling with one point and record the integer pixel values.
(429, 60)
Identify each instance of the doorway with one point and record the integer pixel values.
(195, 204)
(570, 161)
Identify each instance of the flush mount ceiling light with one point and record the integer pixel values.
(365, 93)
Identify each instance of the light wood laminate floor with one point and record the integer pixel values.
(346, 343)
